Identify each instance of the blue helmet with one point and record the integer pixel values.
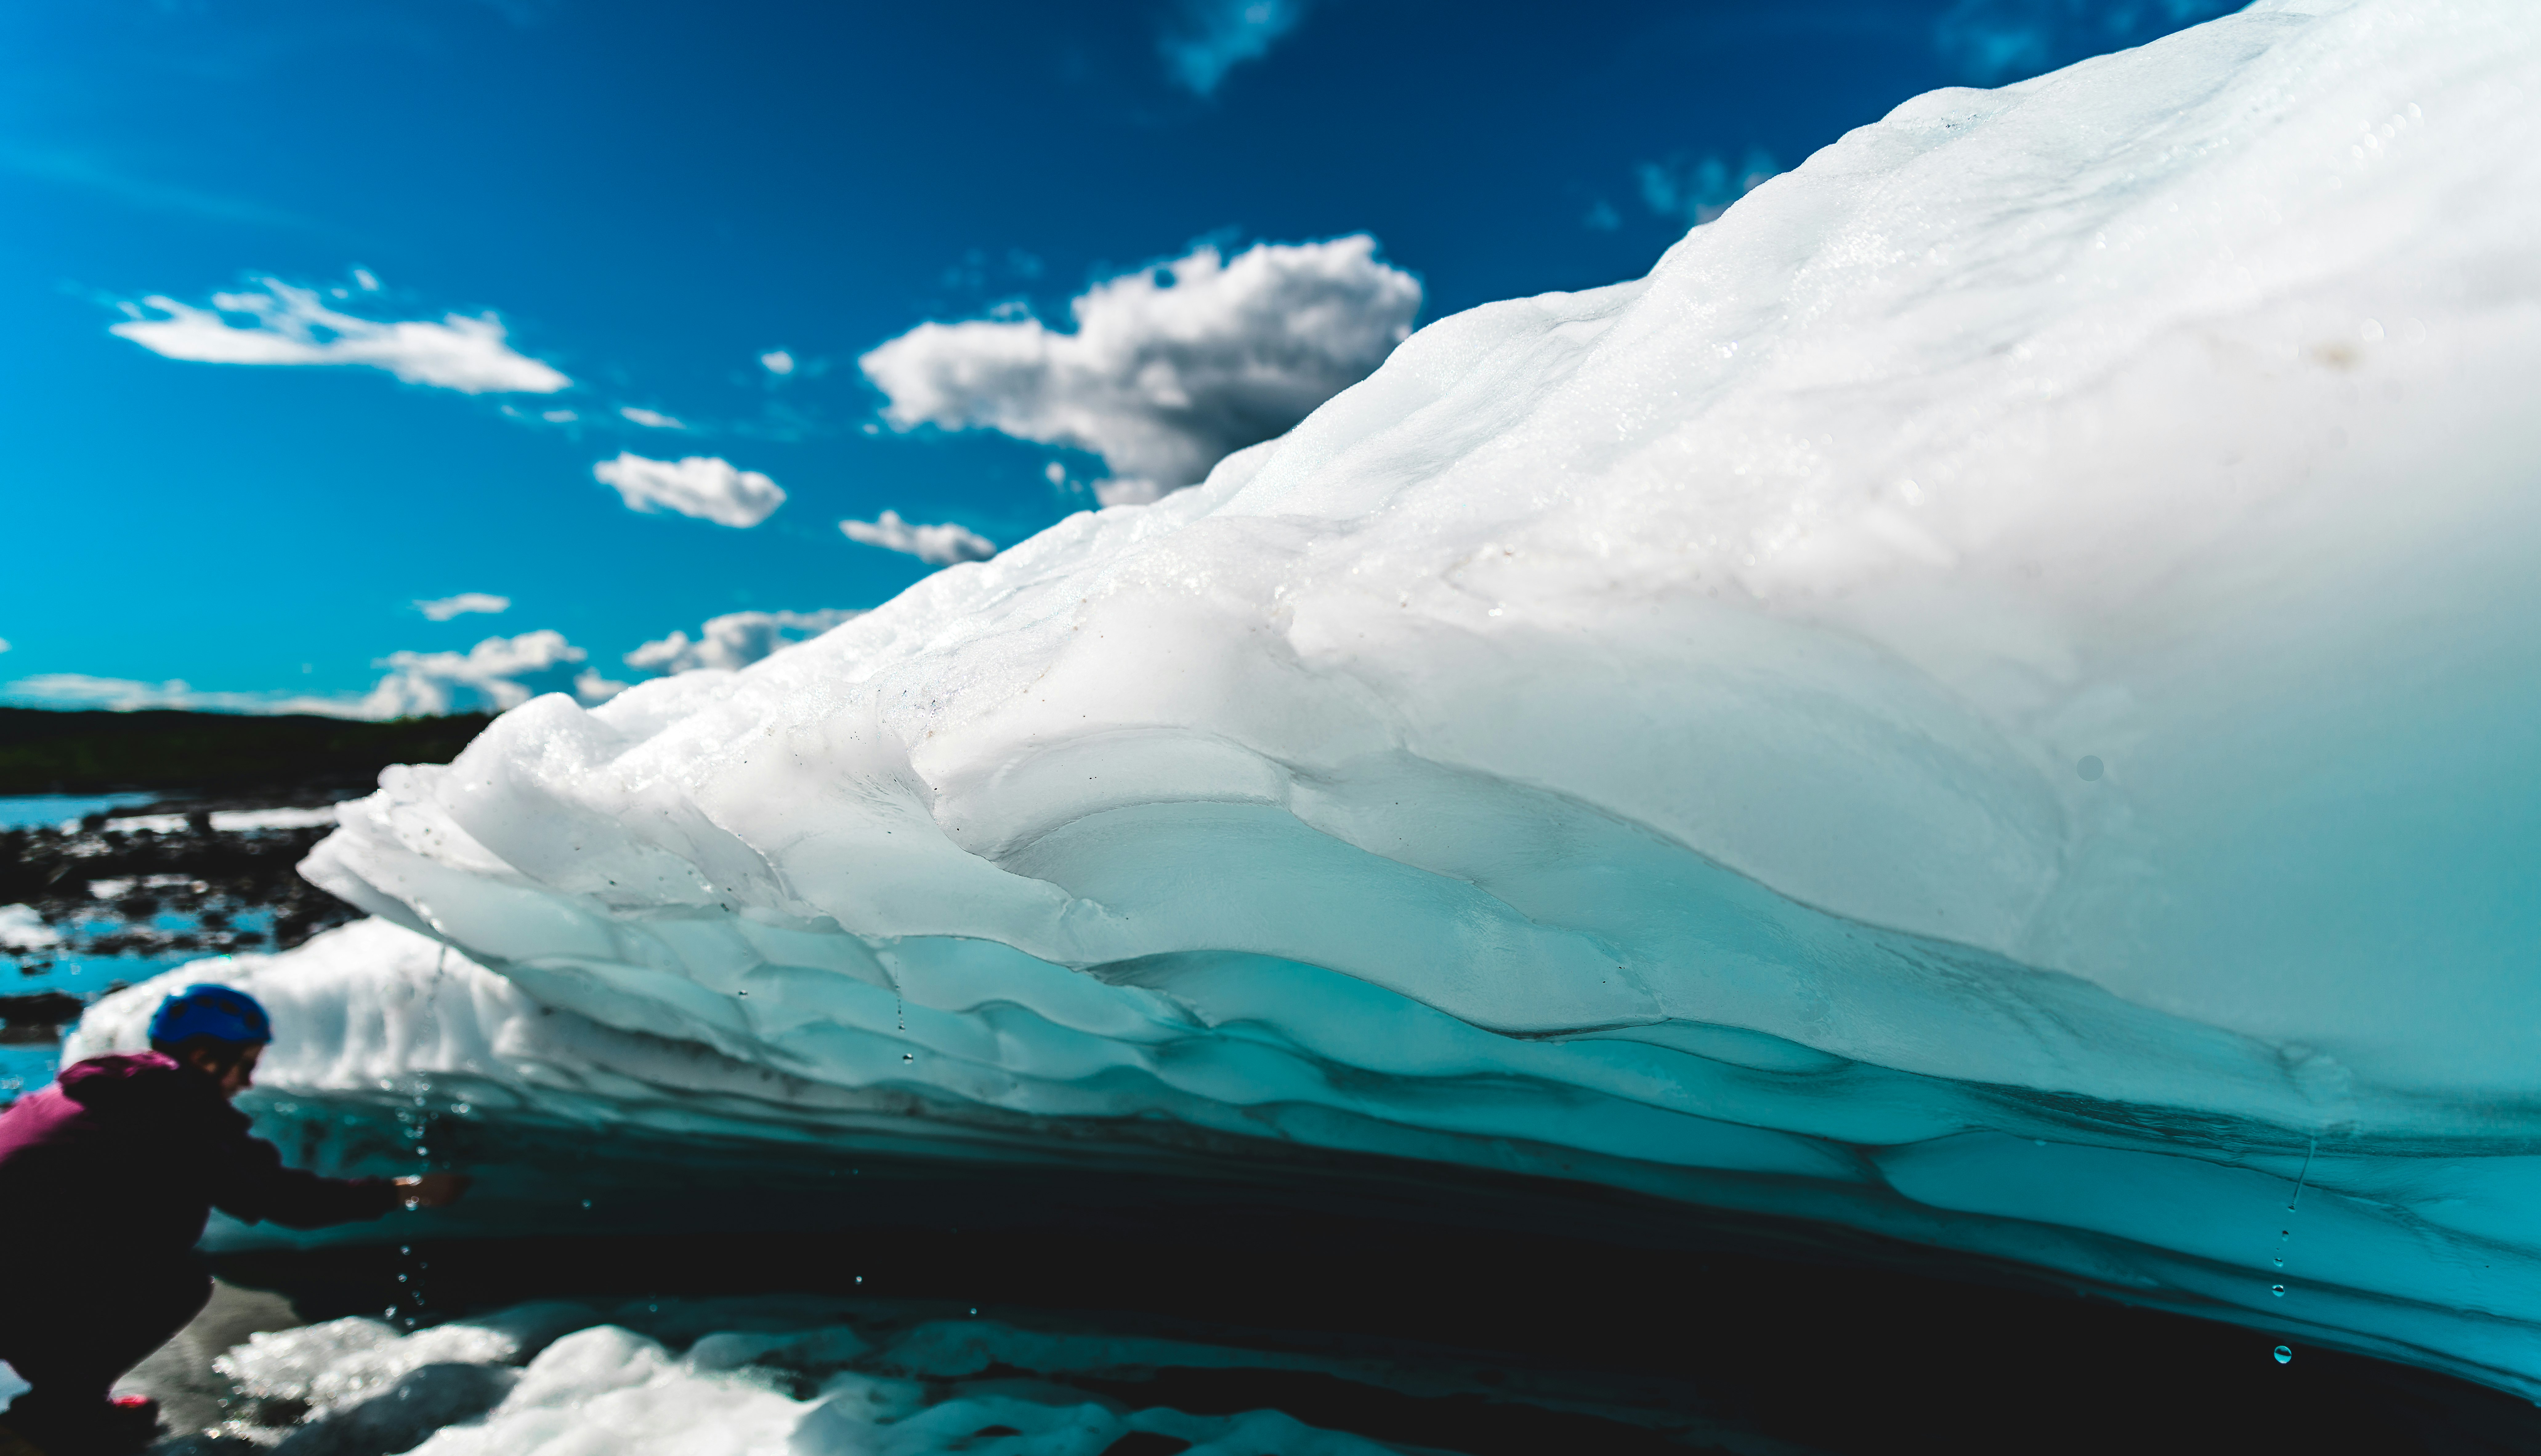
(207, 1011)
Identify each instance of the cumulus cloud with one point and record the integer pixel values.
(777, 361)
(1217, 35)
(442, 609)
(651, 419)
(287, 325)
(594, 689)
(1170, 369)
(1697, 191)
(734, 640)
(705, 487)
(936, 545)
(487, 675)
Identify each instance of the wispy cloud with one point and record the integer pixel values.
(735, 640)
(1697, 191)
(1171, 368)
(705, 487)
(288, 325)
(1989, 43)
(1213, 37)
(442, 609)
(89, 175)
(497, 672)
(651, 419)
(936, 545)
(127, 694)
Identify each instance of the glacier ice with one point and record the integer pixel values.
(796, 1374)
(1990, 699)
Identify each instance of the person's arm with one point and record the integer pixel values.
(253, 1184)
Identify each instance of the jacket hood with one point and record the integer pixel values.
(118, 1078)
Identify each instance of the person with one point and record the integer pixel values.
(108, 1177)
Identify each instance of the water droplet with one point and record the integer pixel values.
(974, 1309)
(2280, 1261)
(908, 1057)
(2285, 1354)
(2277, 1291)
(2090, 768)
(405, 1248)
(586, 1203)
(860, 1279)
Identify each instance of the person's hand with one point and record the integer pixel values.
(432, 1189)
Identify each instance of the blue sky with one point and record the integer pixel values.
(630, 206)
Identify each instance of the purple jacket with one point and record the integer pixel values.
(126, 1155)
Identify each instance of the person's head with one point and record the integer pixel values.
(216, 1031)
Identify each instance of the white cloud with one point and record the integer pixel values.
(486, 675)
(291, 327)
(651, 419)
(734, 640)
(4, 644)
(559, 416)
(1219, 34)
(364, 277)
(936, 545)
(442, 609)
(1170, 369)
(593, 690)
(778, 361)
(124, 695)
(701, 486)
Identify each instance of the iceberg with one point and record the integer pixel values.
(1990, 699)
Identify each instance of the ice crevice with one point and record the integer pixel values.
(1988, 699)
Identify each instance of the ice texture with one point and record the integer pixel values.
(1990, 699)
(760, 1375)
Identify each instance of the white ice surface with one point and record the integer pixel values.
(748, 1377)
(23, 927)
(1991, 698)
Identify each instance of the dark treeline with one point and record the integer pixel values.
(296, 757)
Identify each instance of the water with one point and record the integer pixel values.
(51, 811)
(1375, 1302)
(26, 1066)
